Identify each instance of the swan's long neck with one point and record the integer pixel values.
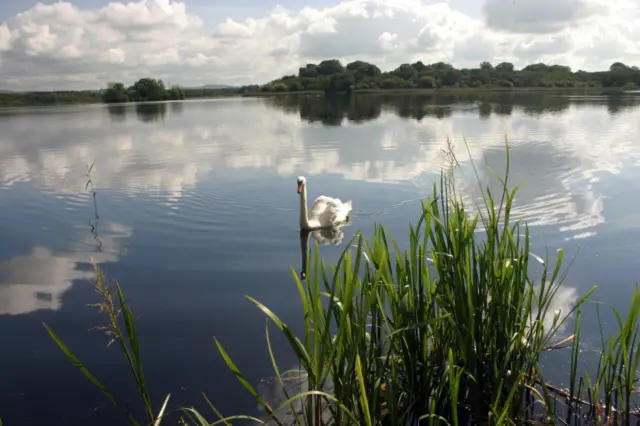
(304, 249)
(304, 220)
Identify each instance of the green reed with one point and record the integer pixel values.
(115, 306)
(448, 331)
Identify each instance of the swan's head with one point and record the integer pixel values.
(301, 183)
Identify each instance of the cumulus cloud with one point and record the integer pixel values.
(62, 45)
(5, 38)
(542, 16)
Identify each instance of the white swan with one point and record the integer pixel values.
(325, 212)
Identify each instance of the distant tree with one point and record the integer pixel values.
(363, 69)
(310, 71)
(115, 93)
(419, 66)
(279, 87)
(505, 68)
(618, 67)
(176, 93)
(426, 82)
(329, 76)
(330, 66)
(294, 86)
(148, 89)
(406, 72)
(539, 67)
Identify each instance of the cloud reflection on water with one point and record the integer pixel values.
(562, 146)
(38, 279)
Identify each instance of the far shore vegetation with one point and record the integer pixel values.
(332, 76)
(448, 330)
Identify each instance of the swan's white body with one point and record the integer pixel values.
(325, 211)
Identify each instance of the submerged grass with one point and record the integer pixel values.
(449, 331)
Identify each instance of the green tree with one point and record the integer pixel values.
(148, 89)
(176, 93)
(309, 71)
(279, 87)
(505, 68)
(362, 69)
(486, 66)
(330, 66)
(406, 72)
(115, 93)
(426, 82)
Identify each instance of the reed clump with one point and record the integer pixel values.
(449, 330)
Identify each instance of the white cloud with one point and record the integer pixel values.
(116, 55)
(5, 38)
(63, 45)
(542, 16)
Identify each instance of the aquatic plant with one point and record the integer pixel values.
(448, 331)
(113, 303)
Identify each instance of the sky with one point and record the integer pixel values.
(85, 44)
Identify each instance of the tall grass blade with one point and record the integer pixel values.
(87, 373)
(214, 409)
(136, 362)
(161, 412)
(245, 382)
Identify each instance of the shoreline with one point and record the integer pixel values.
(453, 90)
(93, 98)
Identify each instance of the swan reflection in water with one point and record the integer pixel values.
(326, 236)
(295, 380)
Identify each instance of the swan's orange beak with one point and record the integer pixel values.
(299, 188)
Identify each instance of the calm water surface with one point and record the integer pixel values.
(195, 206)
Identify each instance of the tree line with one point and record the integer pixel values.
(332, 76)
(144, 90)
(60, 97)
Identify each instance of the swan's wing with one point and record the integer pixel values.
(326, 210)
(342, 210)
(345, 208)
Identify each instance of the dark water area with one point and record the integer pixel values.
(195, 207)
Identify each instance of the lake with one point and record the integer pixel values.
(194, 206)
